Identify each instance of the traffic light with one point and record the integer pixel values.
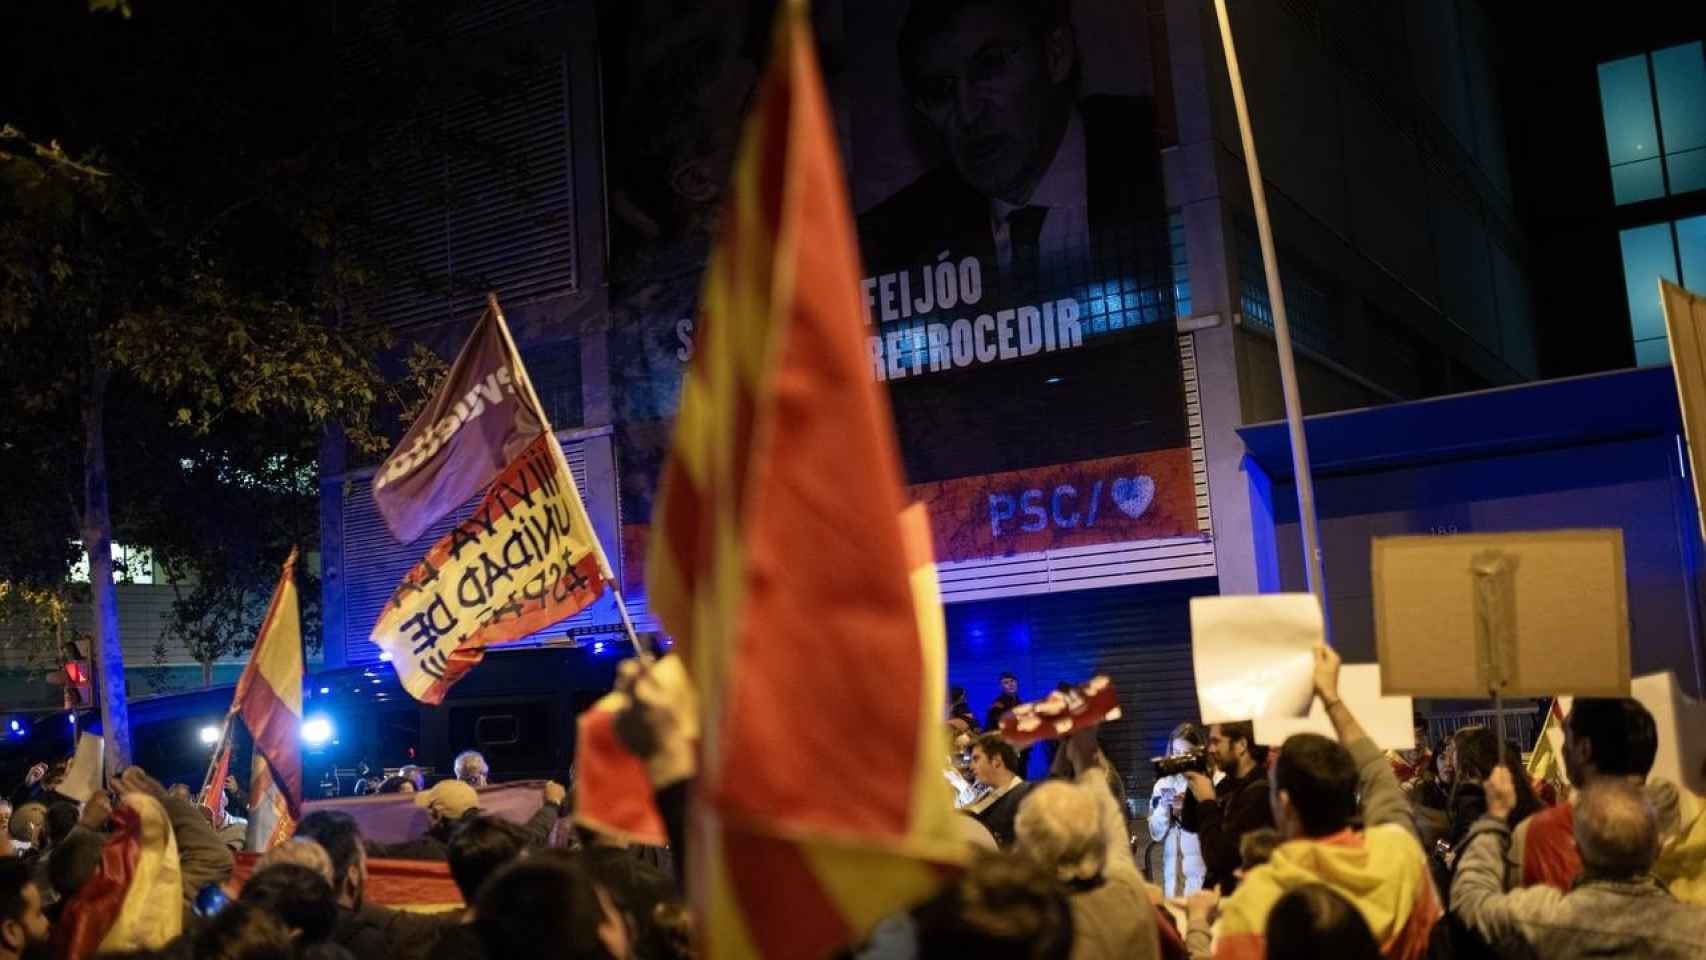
(77, 694)
(74, 675)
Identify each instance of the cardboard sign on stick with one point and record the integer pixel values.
(1389, 721)
(1545, 612)
(1685, 324)
(1254, 656)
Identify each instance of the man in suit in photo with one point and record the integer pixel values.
(1040, 185)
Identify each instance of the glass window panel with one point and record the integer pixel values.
(1680, 75)
(1687, 171)
(1691, 249)
(1626, 100)
(1634, 182)
(1647, 256)
(1650, 353)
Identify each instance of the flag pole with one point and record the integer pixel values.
(213, 759)
(1282, 330)
(526, 383)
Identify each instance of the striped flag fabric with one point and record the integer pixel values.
(212, 797)
(418, 886)
(269, 702)
(135, 899)
(781, 567)
(1545, 765)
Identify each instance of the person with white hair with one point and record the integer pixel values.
(1076, 830)
(1616, 908)
(471, 768)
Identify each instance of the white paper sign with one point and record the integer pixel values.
(1681, 723)
(83, 778)
(1254, 655)
(1389, 721)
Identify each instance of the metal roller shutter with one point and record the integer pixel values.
(475, 190)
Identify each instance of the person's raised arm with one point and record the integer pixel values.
(1383, 799)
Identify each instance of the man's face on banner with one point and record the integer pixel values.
(994, 92)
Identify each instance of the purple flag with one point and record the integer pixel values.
(477, 423)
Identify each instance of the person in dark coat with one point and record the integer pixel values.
(995, 763)
(1220, 814)
(367, 930)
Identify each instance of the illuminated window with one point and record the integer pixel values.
(1654, 108)
(130, 565)
(1675, 251)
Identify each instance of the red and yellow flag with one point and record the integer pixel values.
(526, 558)
(781, 567)
(269, 701)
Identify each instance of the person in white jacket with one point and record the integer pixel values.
(1182, 864)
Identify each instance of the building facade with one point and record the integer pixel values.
(1064, 290)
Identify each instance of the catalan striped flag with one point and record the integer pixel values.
(781, 566)
(269, 702)
(1546, 764)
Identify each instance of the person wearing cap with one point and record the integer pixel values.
(448, 804)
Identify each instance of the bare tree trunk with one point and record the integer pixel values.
(108, 654)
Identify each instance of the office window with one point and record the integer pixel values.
(130, 565)
(1675, 251)
(1654, 109)
(1181, 265)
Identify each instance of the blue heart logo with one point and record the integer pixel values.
(1133, 495)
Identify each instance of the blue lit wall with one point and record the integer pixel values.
(1596, 452)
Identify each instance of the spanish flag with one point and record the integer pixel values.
(1381, 871)
(780, 565)
(269, 701)
(135, 899)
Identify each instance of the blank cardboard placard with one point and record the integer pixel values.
(1254, 656)
(1389, 721)
(83, 777)
(1685, 324)
(1681, 722)
(1569, 612)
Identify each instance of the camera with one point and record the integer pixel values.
(1195, 761)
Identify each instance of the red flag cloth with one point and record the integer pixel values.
(613, 793)
(478, 421)
(269, 693)
(780, 564)
(91, 913)
(212, 797)
(417, 885)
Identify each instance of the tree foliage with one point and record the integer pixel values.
(168, 190)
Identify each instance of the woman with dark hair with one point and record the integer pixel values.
(1182, 865)
(1475, 755)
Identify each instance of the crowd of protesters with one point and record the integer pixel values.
(1318, 847)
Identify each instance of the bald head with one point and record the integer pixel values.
(1059, 826)
(1616, 829)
